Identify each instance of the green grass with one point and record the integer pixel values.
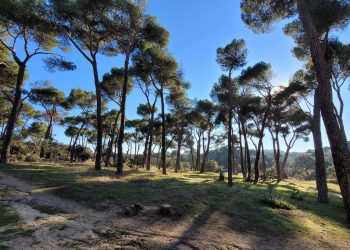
(193, 194)
(7, 216)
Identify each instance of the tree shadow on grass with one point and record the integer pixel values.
(241, 204)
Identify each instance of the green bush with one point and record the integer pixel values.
(297, 195)
(32, 158)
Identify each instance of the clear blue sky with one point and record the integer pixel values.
(197, 28)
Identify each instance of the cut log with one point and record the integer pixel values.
(165, 210)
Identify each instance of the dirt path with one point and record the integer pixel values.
(50, 222)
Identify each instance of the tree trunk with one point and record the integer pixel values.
(111, 142)
(72, 151)
(12, 119)
(163, 158)
(249, 166)
(178, 153)
(150, 131)
(198, 153)
(122, 118)
(206, 153)
(339, 147)
(243, 169)
(320, 166)
(263, 162)
(277, 159)
(229, 150)
(192, 158)
(46, 138)
(98, 156)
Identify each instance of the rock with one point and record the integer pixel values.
(134, 210)
(165, 210)
(138, 206)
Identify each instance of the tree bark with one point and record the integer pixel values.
(243, 169)
(249, 166)
(206, 153)
(178, 153)
(98, 156)
(46, 137)
(229, 150)
(150, 130)
(122, 118)
(163, 158)
(320, 166)
(12, 119)
(111, 142)
(198, 153)
(339, 147)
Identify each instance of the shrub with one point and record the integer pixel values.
(297, 195)
(83, 154)
(213, 166)
(32, 158)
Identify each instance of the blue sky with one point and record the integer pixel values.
(197, 28)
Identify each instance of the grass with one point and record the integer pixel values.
(7, 216)
(193, 194)
(332, 186)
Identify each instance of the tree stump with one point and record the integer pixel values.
(165, 210)
(221, 176)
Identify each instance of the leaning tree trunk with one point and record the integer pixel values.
(320, 166)
(73, 147)
(46, 138)
(229, 149)
(98, 118)
(12, 119)
(339, 147)
(122, 118)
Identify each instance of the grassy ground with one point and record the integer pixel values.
(332, 186)
(193, 194)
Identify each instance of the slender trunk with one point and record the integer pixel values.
(144, 157)
(277, 159)
(320, 166)
(229, 150)
(243, 169)
(263, 170)
(111, 142)
(46, 138)
(339, 147)
(178, 153)
(163, 158)
(198, 153)
(249, 167)
(122, 118)
(99, 127)
(206, 153)
(284, 162)
(150, 131)
(72, 151)
(12, 119)
(192, 158)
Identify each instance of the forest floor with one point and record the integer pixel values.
(67, 206)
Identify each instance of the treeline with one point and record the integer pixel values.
(244, 108)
